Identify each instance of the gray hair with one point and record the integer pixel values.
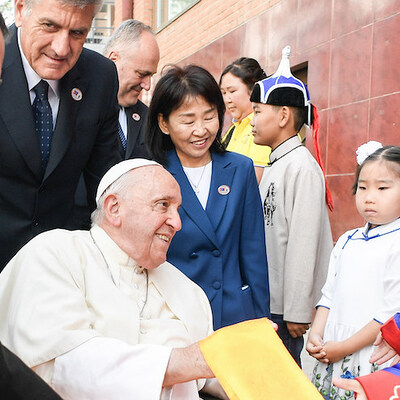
(127, 33)
(119, 187)
(74, 3)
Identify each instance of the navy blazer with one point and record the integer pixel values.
(136, 121)
(222, 248)
(85, 140)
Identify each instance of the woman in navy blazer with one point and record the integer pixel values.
(221, 244)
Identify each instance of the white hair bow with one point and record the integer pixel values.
(366, 150)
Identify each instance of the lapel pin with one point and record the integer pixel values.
(76, 94)
(224, 190)
(136, 116)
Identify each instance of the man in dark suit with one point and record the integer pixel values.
(58, 118)
(135, 52)
(17, 380)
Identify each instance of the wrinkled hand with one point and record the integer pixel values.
(334, 351)
(315, 347)
(351, 384)
(186, 364)
(383, 352)
(297, 330)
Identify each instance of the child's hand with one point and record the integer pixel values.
(315, 347)
(396, 360)
(334, 351)
(383, 352)
(351, 384)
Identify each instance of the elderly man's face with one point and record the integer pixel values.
(136, 64)
(52, 35)
(149, 216)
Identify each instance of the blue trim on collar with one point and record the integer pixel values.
(349, 238)
(366, 237)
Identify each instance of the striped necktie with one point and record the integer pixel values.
(122, 136)
(43, 120)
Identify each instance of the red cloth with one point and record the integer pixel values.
(315, 125)
(381, 385)
(391, 332)
(385, 384)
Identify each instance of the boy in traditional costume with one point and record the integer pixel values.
(293, 191)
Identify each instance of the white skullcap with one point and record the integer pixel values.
(120, 169)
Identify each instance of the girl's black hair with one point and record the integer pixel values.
(247, 69)
(386, 153)
(178, 84)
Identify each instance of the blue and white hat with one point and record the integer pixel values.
(283, 89)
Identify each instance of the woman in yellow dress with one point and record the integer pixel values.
(236, 83)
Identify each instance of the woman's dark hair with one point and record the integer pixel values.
(178, 84)
(3, 26)
(386, 153)
(247, 69)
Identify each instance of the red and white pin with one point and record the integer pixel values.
(136, 116)
(224, 190)
(76, 94)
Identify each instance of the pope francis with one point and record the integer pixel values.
(99, 314)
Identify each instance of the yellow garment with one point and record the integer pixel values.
(242, 142)
(251, 363)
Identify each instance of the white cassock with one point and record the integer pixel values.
(92, 323)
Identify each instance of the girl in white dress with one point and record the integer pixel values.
(362, 289)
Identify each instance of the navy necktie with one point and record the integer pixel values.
(43, 120)
(122, 136)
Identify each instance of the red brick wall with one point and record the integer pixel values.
(143, 11)
(353, 56)
(205, 22)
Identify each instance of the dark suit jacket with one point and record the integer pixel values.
(135, 146)
(222, 248)
(85, 140)
(19, 382)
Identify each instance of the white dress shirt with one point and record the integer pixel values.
(33, 79)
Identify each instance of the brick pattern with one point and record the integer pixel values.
(351, 49)
(203, 23)
(143, 11)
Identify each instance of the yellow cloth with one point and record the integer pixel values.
(242, 142)
(251, 363)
